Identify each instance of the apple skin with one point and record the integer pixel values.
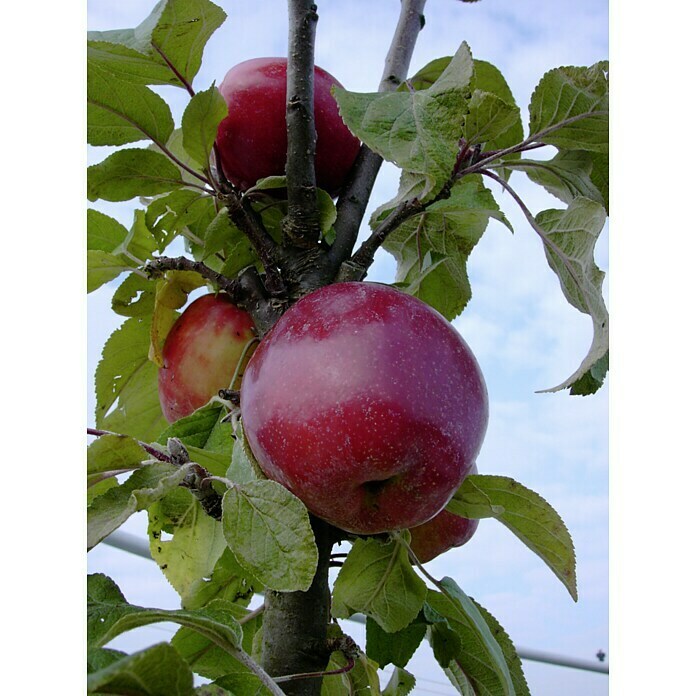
(367, 405)
(253, 140)
(443, 532)
(201, 353)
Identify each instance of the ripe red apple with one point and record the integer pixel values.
(367, 405)
(443, 532)
(201, 353)
(252, 139)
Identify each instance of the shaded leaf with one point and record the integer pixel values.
(377, 580)
(156, 671)
(395, 648)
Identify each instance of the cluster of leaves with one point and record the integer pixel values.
(454, 123)
(264, 541)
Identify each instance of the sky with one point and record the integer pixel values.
(524, 334)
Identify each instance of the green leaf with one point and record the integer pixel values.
(479, 657)
(511, 657)
(182, 212)
(566, 93)
(103, 267)
(567, 176)
(393, 648)
(268, 530)
(129, 65)
(175, 29)
(139, 243)
(418, 131)
(134, 297)
(127, 398)
(109, 615)
(98, 658)
(208, 659)
(199, 124)
(227, 582)
(110, 455)
(377, 580)
(171, 293)
(203, 429)
(489, 118)
(195, 545)
(526, 514)
(132, 172)
(223, 236)
(119, 112)
(362, 679)
(244, 467)
(103, 232)
(144, 487)
(242, 681)
(431, 249)
(569, 238)
(156, 671)
(401, 683)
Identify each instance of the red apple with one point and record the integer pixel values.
(201, 354)
(443, 532)
(252, 139)
(367, 405)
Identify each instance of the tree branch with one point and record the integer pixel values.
(301, 226)
(245, 218)
(353, 201)
(160, 265)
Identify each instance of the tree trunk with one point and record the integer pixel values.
(295, 624)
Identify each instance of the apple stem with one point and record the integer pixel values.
(241, 362)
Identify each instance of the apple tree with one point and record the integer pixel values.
(295, 406)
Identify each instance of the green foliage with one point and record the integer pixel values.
(120, 112)
(172, 36)
(566, 93)
(204, 429)
(268, 530)
(109, 615)
(401, 683)
(199, 124)
(156, 671)
(126, 384)
(526, 514)
(130, 173)
(110, 455)
(418, 131)
(447, 231)
(243, 467)
(471, 655)
(195, 545)
(395, 648)
(143, 488)
(377, 580)
(569, 238)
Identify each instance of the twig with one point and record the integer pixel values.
(161, 264)
(253, 614)
(245, 218)
(152, 451)
(344, 644)
(301, 226)
(353, 201)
